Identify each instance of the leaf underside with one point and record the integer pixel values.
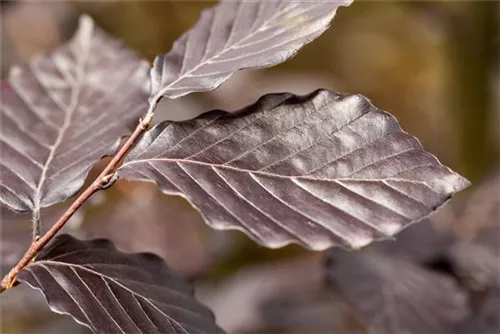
(114, 292)
(320, 170)
(62, 112)
(395, 296)
(237, 35)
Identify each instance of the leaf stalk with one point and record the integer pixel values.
(103, 181)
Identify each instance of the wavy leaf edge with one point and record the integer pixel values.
(464, 183)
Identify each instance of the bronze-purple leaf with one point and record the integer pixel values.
(478, 262)
(320, 170)
(237, 35)
(62, 112)
(420, 243)
(114, 292)
(395, 296)
(15, 237)
(15, 227)
(486, 319)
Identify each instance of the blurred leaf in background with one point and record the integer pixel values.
(433, 64)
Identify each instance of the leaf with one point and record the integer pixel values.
(24, 310)
(62, 112)
(477, 264)
(478, 213)
(316, 316)
(322, 169)
(478, 261)
(419, 243)
(173, 229)
(476, 228)
(114, 292)
(238, 300)
(14, 240)
(16, 229)
(394, 296)
(237, 35)
(487, 319)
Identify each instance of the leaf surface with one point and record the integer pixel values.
(420, 243)
(62, 112)
(395, 296)
(37, 318)
(236, 35)
(486, 319)
(13, 239)
(173, 229)
(477, 262)
(15, 227)
(114, 292)
(322, 169)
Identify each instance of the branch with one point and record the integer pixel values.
(106, 177)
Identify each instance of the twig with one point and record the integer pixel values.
(102, 181)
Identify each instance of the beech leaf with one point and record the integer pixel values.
(237, 35)
(420, 243)
(486, 319)
(114, 292)
(16, 228)
(14, 239)
(320, 170)
(396, 296)
(476, 264)
(62, 112)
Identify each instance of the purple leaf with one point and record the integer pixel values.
(420, 243)
(114, 292)
(486, 319)
(476, 262)
(173, 229)
(62, 112)
(395, 296)
(237, 35)
(16, 237)
(320, 170)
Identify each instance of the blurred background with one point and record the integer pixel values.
(435, 65)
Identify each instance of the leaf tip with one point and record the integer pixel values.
(464, 183)
(85, 28)
(455, 182)
(85, 22)
(15, 71)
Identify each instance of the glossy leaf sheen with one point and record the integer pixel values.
(322, 169)
(395, 296)
(236, 35)
(114, 292)
(62, 112)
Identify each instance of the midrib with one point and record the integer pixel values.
(75, 94)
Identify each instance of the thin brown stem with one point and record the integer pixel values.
(101, 181)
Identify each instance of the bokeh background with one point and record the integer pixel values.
(435, 65)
